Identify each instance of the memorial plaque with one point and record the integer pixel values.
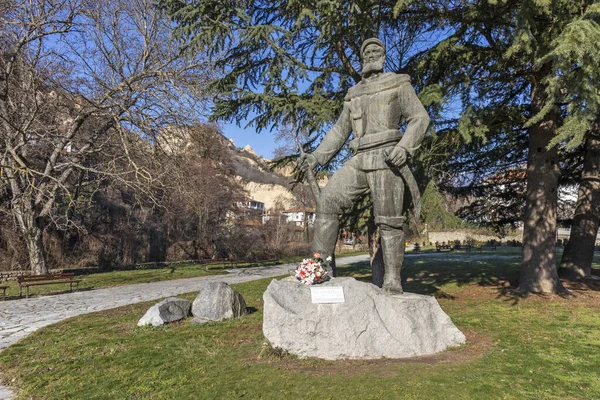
(327, 294)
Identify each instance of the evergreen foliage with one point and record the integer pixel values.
(289, 63)
(486, 65)
(435, 212)
(575, 56)
(514, 69)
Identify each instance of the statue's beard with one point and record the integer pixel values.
(372, 66)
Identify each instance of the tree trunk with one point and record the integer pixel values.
(375, 253)
(32, 231)
(579, 253)
(538, 272)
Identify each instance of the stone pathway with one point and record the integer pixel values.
(19, 318)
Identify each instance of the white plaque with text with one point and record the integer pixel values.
(327, 294)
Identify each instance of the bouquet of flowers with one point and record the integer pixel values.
(313, 270)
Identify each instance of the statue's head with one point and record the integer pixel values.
(372, 54)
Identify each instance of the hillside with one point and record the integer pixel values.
(269, 187)
(272, 188)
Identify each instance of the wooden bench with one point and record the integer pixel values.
(3, 288)
(443, 247)
(48, 279)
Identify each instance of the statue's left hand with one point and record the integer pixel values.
(307, 162)
(397, 156)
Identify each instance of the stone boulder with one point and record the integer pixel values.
(217, 301)
(369, 324)
(169, 310)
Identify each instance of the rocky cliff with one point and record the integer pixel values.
(269, 187)
(273, 188)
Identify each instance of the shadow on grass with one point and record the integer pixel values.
(428, 275)
(251, 310)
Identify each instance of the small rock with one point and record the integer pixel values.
(169, 310)
(216, 301)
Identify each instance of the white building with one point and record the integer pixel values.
(251, 204)
(298, 215)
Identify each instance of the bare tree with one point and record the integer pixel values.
(78, 79)
(203, 190)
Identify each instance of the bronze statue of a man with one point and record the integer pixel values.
(373, 110)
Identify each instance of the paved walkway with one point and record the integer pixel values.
(19, 318)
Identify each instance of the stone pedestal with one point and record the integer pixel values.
(369, 324)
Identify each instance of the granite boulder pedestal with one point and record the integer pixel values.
(369, 323)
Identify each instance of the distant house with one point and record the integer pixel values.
(248, 213)
(251, 205)
(274, 215)
(514, 178)
(298, 215)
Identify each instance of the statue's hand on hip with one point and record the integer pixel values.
(397, 156)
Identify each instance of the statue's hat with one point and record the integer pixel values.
(371, 41)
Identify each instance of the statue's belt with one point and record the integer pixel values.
(376, 140)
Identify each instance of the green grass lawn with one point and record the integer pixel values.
(539, 347)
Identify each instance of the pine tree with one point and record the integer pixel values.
(576, 59)
(509, 66)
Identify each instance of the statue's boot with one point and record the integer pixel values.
(325, 235)
(392, 243)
